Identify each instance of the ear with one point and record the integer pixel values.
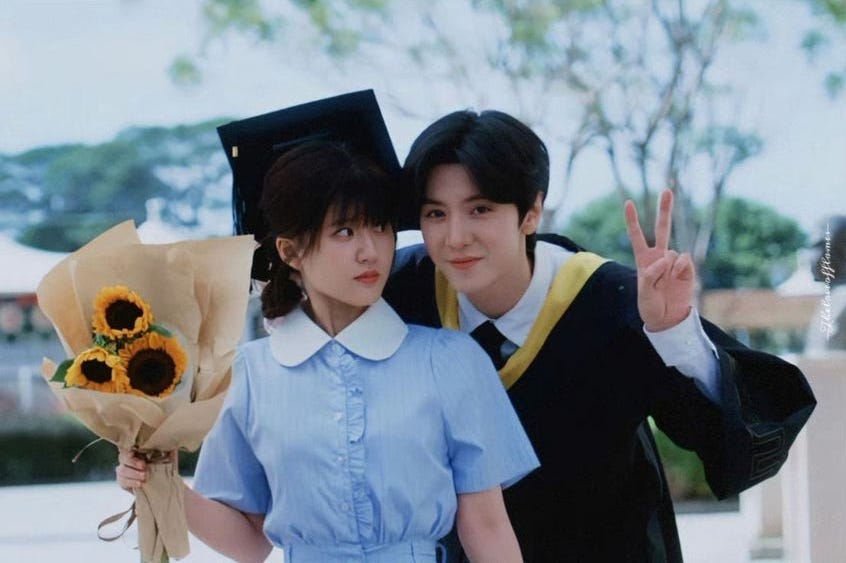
(287, 250)
(533, 216)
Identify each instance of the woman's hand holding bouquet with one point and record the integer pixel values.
(152, 331)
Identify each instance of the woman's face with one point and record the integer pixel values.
(348, 266)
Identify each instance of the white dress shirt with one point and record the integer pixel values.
(684, 346)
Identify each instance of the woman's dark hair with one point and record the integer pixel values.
(300, 188)
(505, 158)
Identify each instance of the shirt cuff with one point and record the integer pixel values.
(687, 348)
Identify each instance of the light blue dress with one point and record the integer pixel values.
(355, 447)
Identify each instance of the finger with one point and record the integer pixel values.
(683, 267)
(655, 272)
(636, 237)
(129, 458)
(664, 220)
(128, 481)
(130, 487)
(127, 473)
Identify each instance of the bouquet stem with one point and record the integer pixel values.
(160, 507)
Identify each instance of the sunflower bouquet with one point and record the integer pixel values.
(131, 354)
(150, 332)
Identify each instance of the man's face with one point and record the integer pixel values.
(478, 244)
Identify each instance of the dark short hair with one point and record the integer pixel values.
(300, 189)
(506, 159)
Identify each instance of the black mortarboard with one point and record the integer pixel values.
(253, 144)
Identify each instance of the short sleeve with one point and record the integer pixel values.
(227, 469)
(487, 444)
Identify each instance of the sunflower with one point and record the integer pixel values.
(154, 364)
(120, 313)
(97, 369)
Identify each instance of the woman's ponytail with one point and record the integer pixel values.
(282, 293)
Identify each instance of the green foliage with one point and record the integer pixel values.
(40, 450)
(739, 144)
(13, 201)
(112, 175)
(833, 9)
(61, 371)
(752, 245)
(244, 16)
(600, 227)
(819, 40)
(683, 468)
(834, 83)
(67, 194)
(185, 72)
(66, 232)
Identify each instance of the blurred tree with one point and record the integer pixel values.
(68, 194)
(819, 40)
(630, 80)
(752, 245)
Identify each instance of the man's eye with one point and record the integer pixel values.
(379, 228)
(433, 213)
(481, 210)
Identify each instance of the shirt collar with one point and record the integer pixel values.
(516, 323)
(375, 335)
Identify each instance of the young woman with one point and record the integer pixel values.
(348, 435)
(587, 348)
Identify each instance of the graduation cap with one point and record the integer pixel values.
(252, 145)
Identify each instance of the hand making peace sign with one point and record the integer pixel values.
(665, 278)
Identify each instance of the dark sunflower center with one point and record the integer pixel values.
(151, 371)
(122, 314)
(96, 371)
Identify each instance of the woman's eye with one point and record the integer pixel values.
(344, 232)
(379, 228)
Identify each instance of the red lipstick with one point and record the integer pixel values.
(464, 263)
(369, 277)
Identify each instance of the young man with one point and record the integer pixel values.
(587, 349)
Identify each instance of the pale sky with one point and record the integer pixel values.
(79, 71)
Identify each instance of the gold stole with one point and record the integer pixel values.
(568, 282)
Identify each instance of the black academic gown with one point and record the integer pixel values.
(600, 493)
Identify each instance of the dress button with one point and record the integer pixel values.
(338, 416)
(345, 507)
(340, 458)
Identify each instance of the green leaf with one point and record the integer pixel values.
(101, 341)
(185, 72)
(61, 371)
(834, 84)
(161, 330)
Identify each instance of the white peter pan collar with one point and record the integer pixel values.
(375, 335)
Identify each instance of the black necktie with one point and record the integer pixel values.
(489, 338)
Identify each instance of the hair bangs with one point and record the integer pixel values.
(362, 195)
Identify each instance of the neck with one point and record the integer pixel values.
(332, 317)
(502, 296)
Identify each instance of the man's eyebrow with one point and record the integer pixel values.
(470, 199)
